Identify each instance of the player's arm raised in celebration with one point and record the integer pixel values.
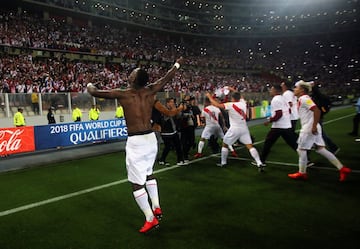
(160, 83)
(214, 102)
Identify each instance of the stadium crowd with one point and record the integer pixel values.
(212, 63)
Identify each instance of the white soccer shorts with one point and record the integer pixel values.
(141, 152)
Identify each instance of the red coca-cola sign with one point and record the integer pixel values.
(16, 140)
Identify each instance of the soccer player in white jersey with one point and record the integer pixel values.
(291, 99)
(310, 133)
(280, 123)
(238, 127)
(212, 115)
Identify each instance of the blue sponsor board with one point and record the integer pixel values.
(68, 134)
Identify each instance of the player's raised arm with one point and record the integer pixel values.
(214, 102)
(160, 83)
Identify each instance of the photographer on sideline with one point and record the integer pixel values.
(190, 119)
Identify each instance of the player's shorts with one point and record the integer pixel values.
(237, 133)
(141, 152)
(306, 140)
(212, 130)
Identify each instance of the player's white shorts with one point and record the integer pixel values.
(237, 133)
(306, 140)
(212, 130)
(141, 152)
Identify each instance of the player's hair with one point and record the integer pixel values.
(306, 87)
(236, 96)
(142, 78)
(287, 84)
(277, 88)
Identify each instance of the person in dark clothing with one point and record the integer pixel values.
(170, 136)
(324, 104)
(214, 144)
(51, 116)
(190, 119)
(157, 118)
(356, 120)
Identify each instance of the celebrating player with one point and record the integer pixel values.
(238, 128)
(141, 146)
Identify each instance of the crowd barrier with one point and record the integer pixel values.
(36, 138)
(41, 137)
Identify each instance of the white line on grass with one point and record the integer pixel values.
(85, 191)
(59, 198)
(291, 164)
(81, 192)
(337, 119)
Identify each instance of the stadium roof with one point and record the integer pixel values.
(229, 18)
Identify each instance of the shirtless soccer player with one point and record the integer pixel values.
(141, 146)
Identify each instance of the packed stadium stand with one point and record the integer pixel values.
(58, 46)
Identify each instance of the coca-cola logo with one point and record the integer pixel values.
(9, 140)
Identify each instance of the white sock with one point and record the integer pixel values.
(141, 198)
(331, 157)
(152, 189)
(224, 155)
(254, 153)
(302, 160)
(201, 146)
(231, 148)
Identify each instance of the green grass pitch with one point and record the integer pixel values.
(88, 204)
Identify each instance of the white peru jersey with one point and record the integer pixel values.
(211, 114)
(291, 98)
(237, 113)
(278, 103)
(305, 103)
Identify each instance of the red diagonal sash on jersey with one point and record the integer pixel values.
(241, 112)
(210, 113)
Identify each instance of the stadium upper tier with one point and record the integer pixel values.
(51, 50)
(242, 18)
